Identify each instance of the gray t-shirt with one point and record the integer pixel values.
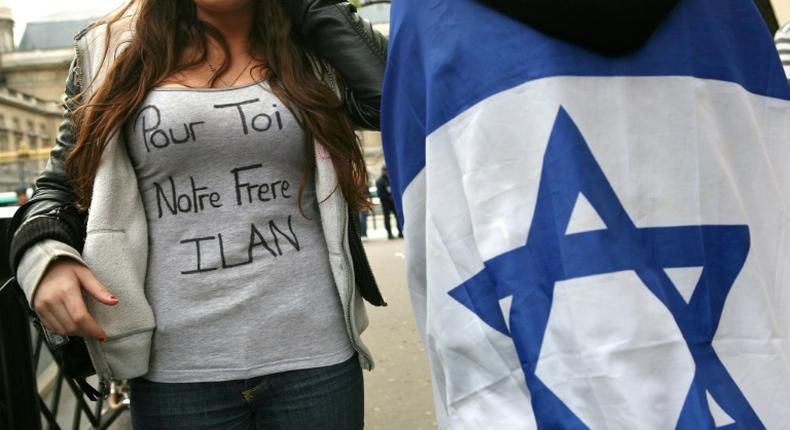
(239, 280)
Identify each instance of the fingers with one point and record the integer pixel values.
(50, 323)
(84, 323)
(94, 287)
(60, 304)
(68, 316)
(64, 319)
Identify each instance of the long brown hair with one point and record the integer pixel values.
(163, 31)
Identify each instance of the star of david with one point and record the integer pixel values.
(528, 274)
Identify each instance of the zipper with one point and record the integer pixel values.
(330, 80)
(103, 371)
(350, 298)
(104, 387)
(78, 65)
(358, 26)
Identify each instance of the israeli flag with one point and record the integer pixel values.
(593, 242)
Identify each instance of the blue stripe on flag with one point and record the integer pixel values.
(448, 55)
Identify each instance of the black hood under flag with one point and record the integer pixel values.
(609, 27)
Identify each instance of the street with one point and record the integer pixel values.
(398, 391)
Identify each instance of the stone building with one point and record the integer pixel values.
(32, 78)
(28, 126)
(40, 63)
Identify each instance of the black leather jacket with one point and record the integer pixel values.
(331, 28)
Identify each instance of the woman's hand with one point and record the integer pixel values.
(59, 303)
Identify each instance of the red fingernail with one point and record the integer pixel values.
(113, 298)
(102, 339)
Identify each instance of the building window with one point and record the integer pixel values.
(19, 135)
(4, 144)
(32, 138)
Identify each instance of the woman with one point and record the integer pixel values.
(206, 168)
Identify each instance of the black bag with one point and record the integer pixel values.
(70, 353)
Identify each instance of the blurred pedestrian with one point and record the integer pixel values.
(21, 196)
(217, 260)
(362, 216)
(387, 204)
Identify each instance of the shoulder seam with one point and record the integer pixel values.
(85, 30)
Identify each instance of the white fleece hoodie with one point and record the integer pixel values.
(116, 245)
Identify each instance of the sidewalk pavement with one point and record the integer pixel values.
(398, 391)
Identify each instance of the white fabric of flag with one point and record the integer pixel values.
(595, 242)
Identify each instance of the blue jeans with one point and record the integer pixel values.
(321, 398)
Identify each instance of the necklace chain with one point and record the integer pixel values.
(228, 85)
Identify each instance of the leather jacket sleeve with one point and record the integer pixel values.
(609, 27)
(52, 211)
(336, 33)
